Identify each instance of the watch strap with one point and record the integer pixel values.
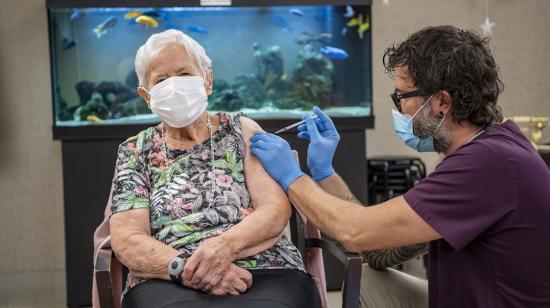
(175, 267)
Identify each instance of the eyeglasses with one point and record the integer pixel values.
(397, 97)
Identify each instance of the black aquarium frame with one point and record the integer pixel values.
(110, 132)
(50, 4)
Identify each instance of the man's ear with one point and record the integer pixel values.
(143, 93)
(209, 81)
(444, 103)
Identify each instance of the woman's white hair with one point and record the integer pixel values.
(157, 42)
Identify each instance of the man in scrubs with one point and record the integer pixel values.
(485, 210)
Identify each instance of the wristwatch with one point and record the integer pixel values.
(175, 267)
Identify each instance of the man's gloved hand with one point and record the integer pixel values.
(323, 140)
(275, 155)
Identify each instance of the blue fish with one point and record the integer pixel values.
(344, 31)
(349, 12)
(256, 46)
(102, 28)
(153, 14)
(75, 15)
(280, 22)
(68, 43)
(296, 12)
(197, 29)
(334, 53)
(157, 14)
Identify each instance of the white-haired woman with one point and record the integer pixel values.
(195, 216)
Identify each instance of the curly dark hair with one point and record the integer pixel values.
(457, 61)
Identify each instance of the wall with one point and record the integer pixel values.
(520, 44)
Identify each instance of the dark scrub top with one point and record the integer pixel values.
(490, 202)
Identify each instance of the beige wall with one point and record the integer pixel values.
(31, 195)
(520, 43)
(31, 201)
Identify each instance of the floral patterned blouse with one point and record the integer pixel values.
(175, 185)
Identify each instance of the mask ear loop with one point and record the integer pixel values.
(429, 98)
(147, 92)
(442, 120)
(441, 123)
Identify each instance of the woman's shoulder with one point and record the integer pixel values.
(142, 141)
(240, 122)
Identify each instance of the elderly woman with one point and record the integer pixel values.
(196, 217)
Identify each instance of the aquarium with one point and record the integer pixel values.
(270, 61)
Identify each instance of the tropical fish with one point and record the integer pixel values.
(344, 31)
(334, 53)
(256, 46)
(132, 15)
(102, 28)
(76, 15)
(363, 27)
(162, 14)
(197, 29)
(68, 43)
(152, 13)
(296, 12)
(349, 12)
(93, 118)
(280, 22)
(147, 21)
(356, 21)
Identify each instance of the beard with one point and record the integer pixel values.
(425, 126)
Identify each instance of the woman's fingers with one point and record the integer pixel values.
(239, 285)
(191, 265)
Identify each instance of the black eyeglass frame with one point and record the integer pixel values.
(397, 97)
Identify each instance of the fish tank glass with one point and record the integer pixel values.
(270, 61)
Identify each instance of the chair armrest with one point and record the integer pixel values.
(102, 274)
(353, 266)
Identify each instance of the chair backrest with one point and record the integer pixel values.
(109, 269)
(300, 230)
(106, 266)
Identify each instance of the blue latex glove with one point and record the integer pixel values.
(275, 155)
(323, 140)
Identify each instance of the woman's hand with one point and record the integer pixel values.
(209, 264)
(235, 282)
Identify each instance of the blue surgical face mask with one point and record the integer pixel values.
(403, 126)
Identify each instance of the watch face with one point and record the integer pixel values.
(175, 268)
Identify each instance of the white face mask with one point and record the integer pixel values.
(179, 100)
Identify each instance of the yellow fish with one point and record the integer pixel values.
(147, 21)
(132, 14)
(93, 118)
(355, 21)
(363, 27)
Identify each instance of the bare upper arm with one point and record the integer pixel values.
(262, 188)
(128, 223)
